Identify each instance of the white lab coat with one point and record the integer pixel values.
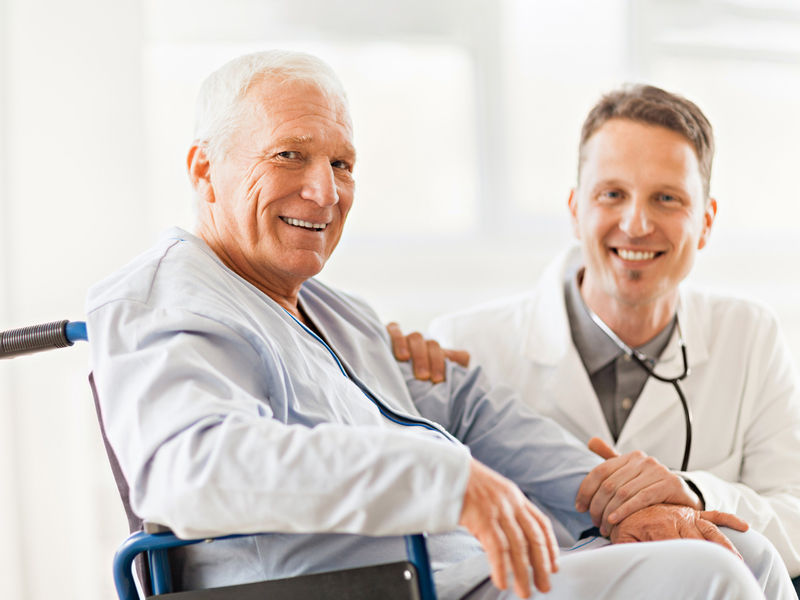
(743, 391)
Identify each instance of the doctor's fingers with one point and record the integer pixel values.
(652, 485)
(458, 356)
(664, 487)
(399, 343)
(601, 482)
(420, 351)
(600, 447)
(641, 491)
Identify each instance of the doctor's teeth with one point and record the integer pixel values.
(635, 254)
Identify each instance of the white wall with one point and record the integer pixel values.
(71, 200)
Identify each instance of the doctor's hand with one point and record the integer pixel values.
(515, 534)
(667, 522)
(620, 486)
(427, 356)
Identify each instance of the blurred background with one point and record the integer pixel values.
(467, 114)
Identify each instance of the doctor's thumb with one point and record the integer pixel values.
(601, 448)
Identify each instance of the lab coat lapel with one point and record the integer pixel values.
(567, 392)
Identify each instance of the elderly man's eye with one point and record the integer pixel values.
(289, 154)
(668, 199)
(341, 164)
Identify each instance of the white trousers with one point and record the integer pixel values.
(675, 569)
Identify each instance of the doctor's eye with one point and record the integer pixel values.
(610, 195)
(668, 199)
(288, 154)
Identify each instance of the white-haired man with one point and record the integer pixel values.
(242, 395)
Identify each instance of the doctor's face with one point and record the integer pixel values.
(280, 194)
(640, 214)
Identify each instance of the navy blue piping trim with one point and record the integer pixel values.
(383, 410)
(588, 541)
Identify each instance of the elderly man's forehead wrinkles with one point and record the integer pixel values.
(295, 140)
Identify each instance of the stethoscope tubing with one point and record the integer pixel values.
(687, 413)
(642, 361)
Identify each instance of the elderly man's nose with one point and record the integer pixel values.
(635, 220)
(320, 185)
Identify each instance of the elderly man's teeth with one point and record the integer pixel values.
(304, 224)
(635, 255)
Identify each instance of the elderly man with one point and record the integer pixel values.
(641, 211)
(241, 395)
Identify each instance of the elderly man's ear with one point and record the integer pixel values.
(200, 172)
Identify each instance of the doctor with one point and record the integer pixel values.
(641, 211)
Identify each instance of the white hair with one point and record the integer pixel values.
(219, 101)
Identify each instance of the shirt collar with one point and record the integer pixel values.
(595, 348)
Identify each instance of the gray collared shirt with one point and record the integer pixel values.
(617, 380)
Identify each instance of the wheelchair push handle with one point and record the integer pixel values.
(36, 338)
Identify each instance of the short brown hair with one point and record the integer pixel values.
(653, 106)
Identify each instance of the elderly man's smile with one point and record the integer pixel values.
(307, 225)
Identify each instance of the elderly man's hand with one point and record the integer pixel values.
(624, 484)
(514, 533)
(427, 356)
(667, 522)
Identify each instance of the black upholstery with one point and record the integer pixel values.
(135, 523)
(391, 581)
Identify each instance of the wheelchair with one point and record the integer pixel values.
(149, 543)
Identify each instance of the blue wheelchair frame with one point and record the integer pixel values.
(60, 334)
(156, 545)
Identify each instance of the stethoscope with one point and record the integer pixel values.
(647, 364)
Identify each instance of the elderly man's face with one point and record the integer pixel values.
(640, 214)
(282, 191)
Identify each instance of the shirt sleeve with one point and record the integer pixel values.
(184, 407)
(767, 494)
(542, 458)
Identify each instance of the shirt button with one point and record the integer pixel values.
(627, 403)
(626, 357)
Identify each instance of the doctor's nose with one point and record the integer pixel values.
(635, 220)
(319, 184)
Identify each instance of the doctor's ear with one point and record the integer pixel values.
(572, 203)
(199, 168)
(709, 215)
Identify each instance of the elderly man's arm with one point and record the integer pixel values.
(542, 458)
(183, 403)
